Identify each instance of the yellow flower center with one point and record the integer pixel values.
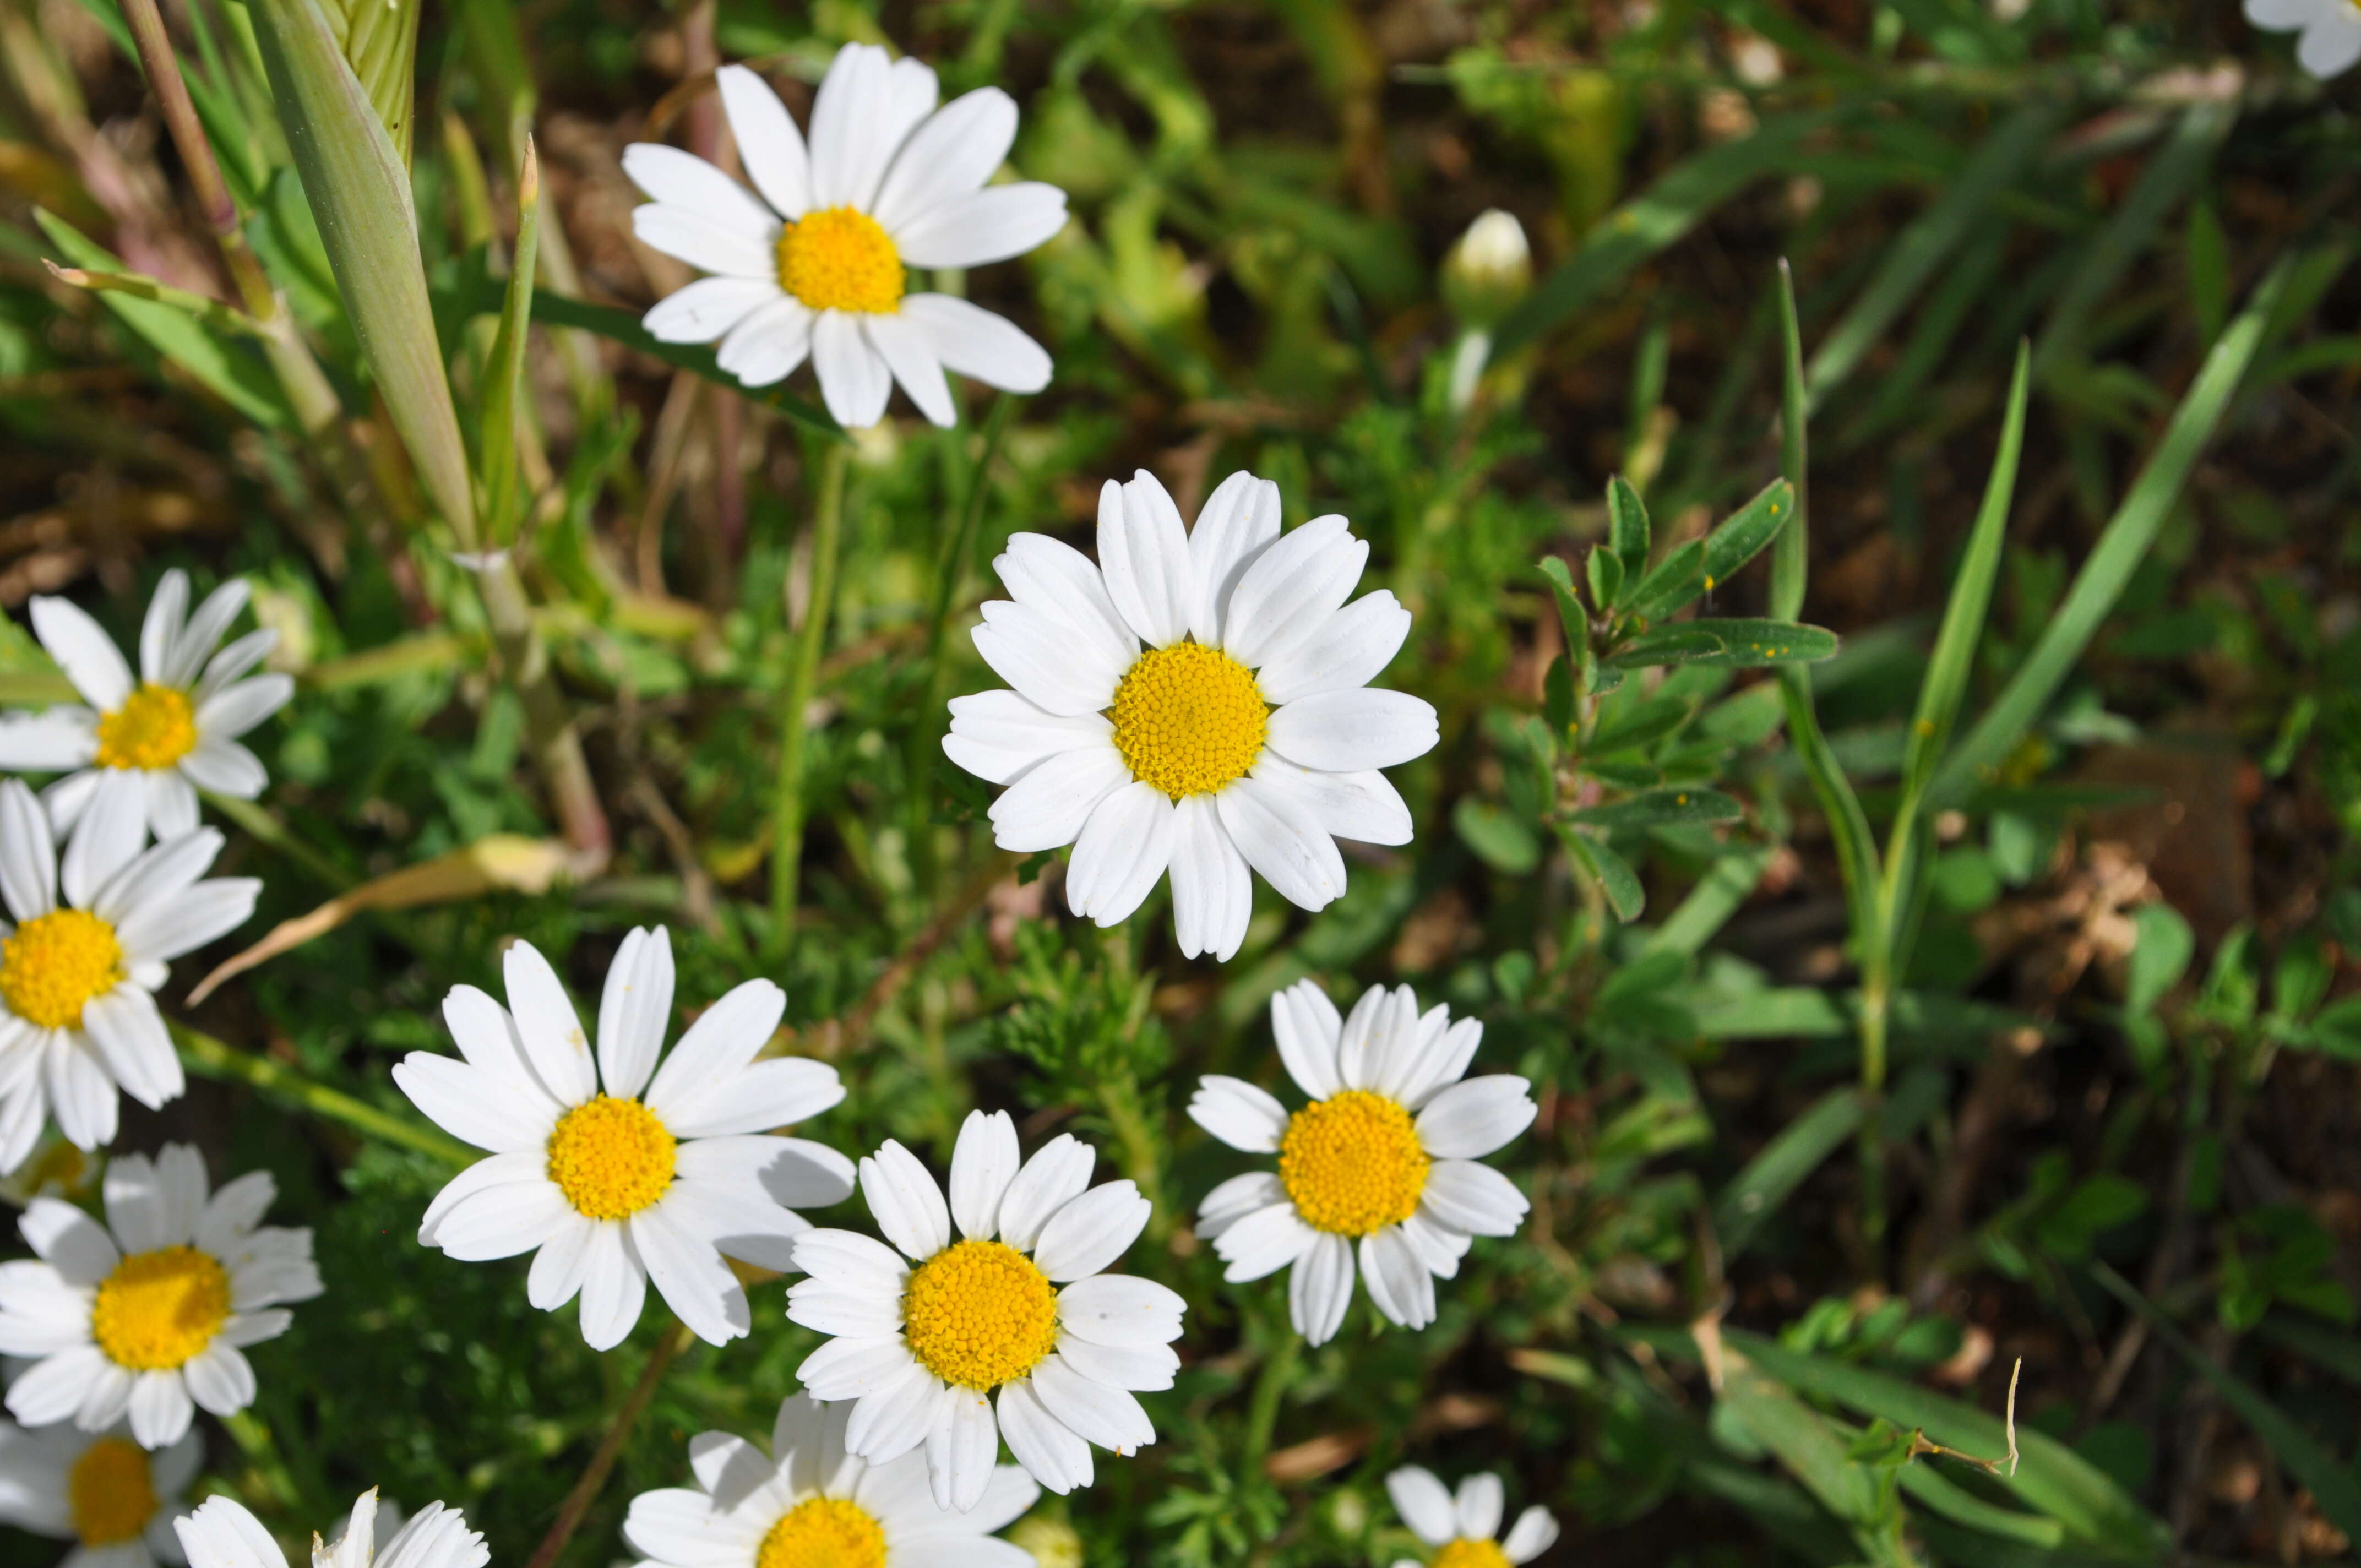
(1352, 1163)
(155, 727)
(55, 963)
(838, 259)
(979, 1313)
(1464, 1554)
(1189, 719)
(824, 1533)
(611, 1157)
(110, 1494)
(158, 1309)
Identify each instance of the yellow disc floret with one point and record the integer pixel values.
(839, 259)
(110, 1494)
(155, 727)
(55, 963)
(1189, 719)
(979, 1313)
(611, 1157)
(825, 1532)
(1463, 1552)
(1352, 1163)
(158, 1309)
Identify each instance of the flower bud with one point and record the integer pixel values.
(1488, 270)
(1053, 1542)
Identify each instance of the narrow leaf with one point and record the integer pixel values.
(504, 369)
(1661, 808)
(1627, 525)
(1749, 644)
(1749, 529)
(1679, 578)
(1610, 870)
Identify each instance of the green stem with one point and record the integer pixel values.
(811, 638)
(950, 581)
(1262, 1415)
(602, 1462)
(274, 1081)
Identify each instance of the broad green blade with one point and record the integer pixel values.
(2121, 548)
(358, 187)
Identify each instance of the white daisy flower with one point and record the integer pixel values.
(1384, 1155)
(101, 1490)
(134, 758)
(2331, 30)
(660, 1174)
(1245, 735)
(816, 266)
(921, 1343)
(153, 1316)
(222, 1534)
(1462, 1528)
(809, 1504)
(78, 1016)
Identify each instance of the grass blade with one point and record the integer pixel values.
(504, 369)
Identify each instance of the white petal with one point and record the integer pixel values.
(501, 1221)
(852, 1264)
(547, 1026)
(161, 627)
(81, 1094)
(69, 798)
(83, 651)
(635, 1010)
(1306, 1024)
(1441, 1066)
(107, 837)
(821, 1307)
(2331, 44)
(1263, 1242)
(908, 1206)
(854, 381)
(204, 629)
(1398, 1284)
(983, 227)
(961, 1449)
(1348, 731)
(1120, 854)
(768, 143)
(48, 742)
(1437, 1247)
(909, 354)
(1237, 525)
(225, 767)
(1369, 1033)
(557, 1268)
(1088, 1235)
(768, 343)
(156, 876)
(678, 1526)
(1280, 839)
(703, 243)
(1479, 1507)
(1144, 553)
(29, 857)
(1362, 807)
(161, 1409)
(53, 1388)
(1059, 583)
(1092, 1411)
(849, 119)
(1291, 589)
(953, 153)
(687, 182)
(613, 1288)
(1320, 1288)
(793, 1172)
(1423, 1502)
(889, 1423)
(134, 1044)
(1056, 666)
(1473, 1197)
(1047, 1449)
(854, 1368)
(1471, 1119)
(2284, 16)
(1120, 1309)
(776, 1092)
(501, 1170)
(487, 1037)
(1235, 1199)
(1213, 897)
(220, 1379)
(69, 1240)
(717, 1047)
(1239, 1114)
(1055, 1176)
(222, 1534)
(1535, 1532)
(236, 660)
(998, 735)
(1141, 1368)
(690, 1276)
(984, 1163)
(1348, 650)
(973, 341)
(1047, 807)
(171, 804)
(233, 710)
(705, 309)
(472, 1105)
(162, 932)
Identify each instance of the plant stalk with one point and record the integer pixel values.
(602, 1463)
(950, 581)
(218, 1058)
(1270, 1387)
(803, 676)
(549, 728)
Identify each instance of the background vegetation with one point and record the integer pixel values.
(1987, 993)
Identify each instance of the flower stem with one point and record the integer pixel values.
(218, 1058)
(788, 807)
(602, 1463)
(1262, 1415)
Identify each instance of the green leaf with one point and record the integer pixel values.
(1638, 723)
(1610, 870)
(358, 187)
(1725, 886)
(380, 40)
(1605, 570)
(1931, 1488)
(1748, 530)
(1659, 808)
(1764, 1182)
(1627, 525)
(1750, 644)
(504, 369)
(1670, 645)
(1558, 696)
(1679, 578)
(184, 337)
(1502, 840)
(2121, 547)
